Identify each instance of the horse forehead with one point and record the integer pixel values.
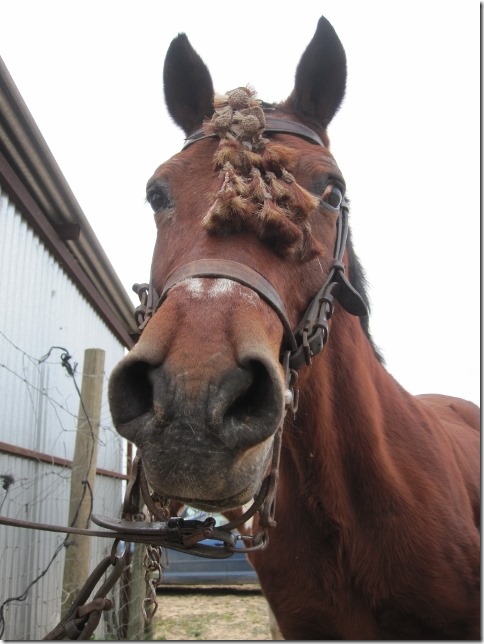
(196, 163)
(184, 164)
(314, 160)
(216, 288)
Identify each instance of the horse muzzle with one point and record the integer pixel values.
(203, 422)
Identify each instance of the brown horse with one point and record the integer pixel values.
(253, 275)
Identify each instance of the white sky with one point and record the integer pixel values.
(407, 139)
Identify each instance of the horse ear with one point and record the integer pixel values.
(188, 85)
(320, 77)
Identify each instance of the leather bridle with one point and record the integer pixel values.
(299, 346)
(311, 334)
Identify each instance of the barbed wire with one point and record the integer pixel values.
(71, 371)
(8, 482)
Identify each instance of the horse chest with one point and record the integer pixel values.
(316, 593)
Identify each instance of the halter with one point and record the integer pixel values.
(299, 346)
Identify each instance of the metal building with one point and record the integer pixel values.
(59, 297)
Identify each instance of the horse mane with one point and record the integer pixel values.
(358, 280)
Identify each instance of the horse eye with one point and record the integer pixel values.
(332, 196)
(158, 200)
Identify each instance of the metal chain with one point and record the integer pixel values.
(153, 575)
(82, 618)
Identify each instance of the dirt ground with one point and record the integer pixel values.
(211, 613)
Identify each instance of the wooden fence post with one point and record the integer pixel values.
(76, 566)
(135, 626)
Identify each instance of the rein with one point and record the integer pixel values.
(175, 533)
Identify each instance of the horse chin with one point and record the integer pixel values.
(221, 505)
(210, 487)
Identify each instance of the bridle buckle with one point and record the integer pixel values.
(308, 354)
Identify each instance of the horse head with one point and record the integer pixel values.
(251, 224)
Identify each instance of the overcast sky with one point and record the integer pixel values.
(407, 140)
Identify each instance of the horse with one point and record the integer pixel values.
(256, 373)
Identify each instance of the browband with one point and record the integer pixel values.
(274, 125)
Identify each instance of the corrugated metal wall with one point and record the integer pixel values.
(43, 314)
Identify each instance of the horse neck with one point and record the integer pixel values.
(337, 455)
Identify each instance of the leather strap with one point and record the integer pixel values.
(176, 533)
(274, 125)
(238, 273)
(281, 126)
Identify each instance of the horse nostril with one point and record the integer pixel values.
(255, 386)
(130, 392)
(242, 406)
(256, 406)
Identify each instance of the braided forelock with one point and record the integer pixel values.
(256, 190)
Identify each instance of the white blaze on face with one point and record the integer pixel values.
(214, 288)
